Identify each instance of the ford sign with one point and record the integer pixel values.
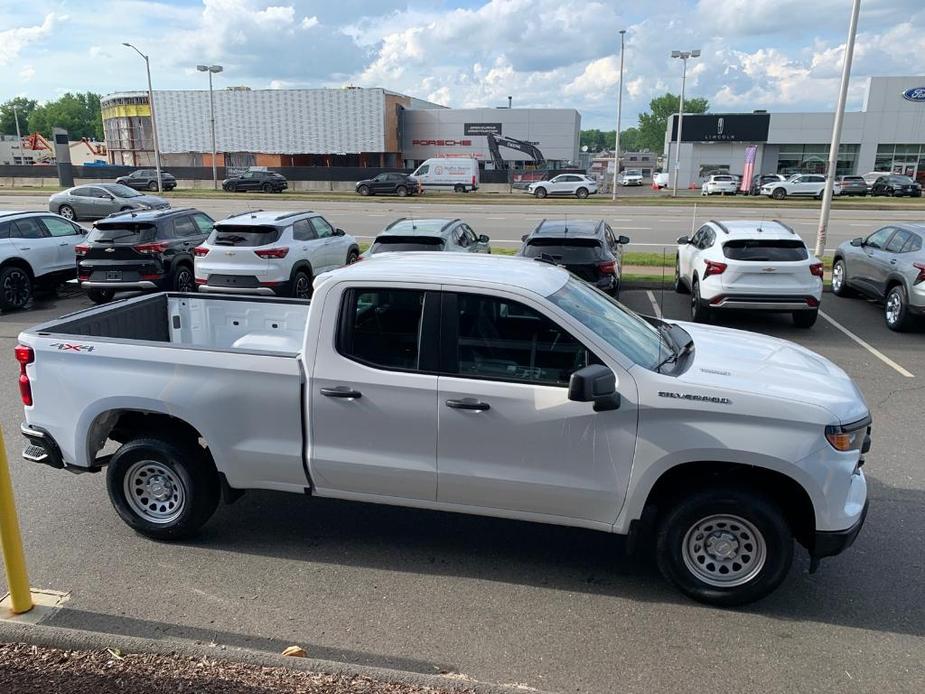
(914, 94)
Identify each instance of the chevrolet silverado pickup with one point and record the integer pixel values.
(478, 384)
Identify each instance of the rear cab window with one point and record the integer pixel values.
(244, 235)
(381, 327)
(766, 250)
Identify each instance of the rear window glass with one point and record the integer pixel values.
(853, 179)
(244, 235)
(394, 244)
(567, 251)
(761, 250)
(122, 232)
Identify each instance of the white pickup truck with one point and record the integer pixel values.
(496, 386)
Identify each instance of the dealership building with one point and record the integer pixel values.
(349, 127)
(887, 134)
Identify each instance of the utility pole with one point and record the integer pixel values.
(616, 144)
(836, 133)
(684, 56)
(157, 149)
(212, 69)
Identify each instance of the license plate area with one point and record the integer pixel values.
(113, 275)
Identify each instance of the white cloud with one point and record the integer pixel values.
(27, 73)
(309, 22)
(13, 41)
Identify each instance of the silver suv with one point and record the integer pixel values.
(889, 265)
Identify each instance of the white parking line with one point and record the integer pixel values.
(655, 306)
(870, 348)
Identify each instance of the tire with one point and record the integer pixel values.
(459, 189)
(699, 312)
(805, 319)
(152, 186)
(363, 190)
(540, 193)
(15, 288)
(67, 212)
(352, 257)
(267, 187)
(232, 188)
(581, 193)
(178, 472)
(100, 296)
(733, 521)
(896, 309)
(779, 194)
(301, 285)
(401, 191)
(678, 282)
(840, 279)
(183, 279)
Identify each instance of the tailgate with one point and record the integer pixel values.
(767, 266)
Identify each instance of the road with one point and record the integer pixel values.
(649, 227)
(507, 602)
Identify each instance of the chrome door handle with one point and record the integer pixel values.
(341, 392)
(64, 244)
(468, 404)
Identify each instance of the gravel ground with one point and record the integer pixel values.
(27, 669)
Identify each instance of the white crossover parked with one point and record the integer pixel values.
(798, 185)
(579, 185)
(720, 184)
(461, 382)
(755, 265)
(271, 253)
(631, 177)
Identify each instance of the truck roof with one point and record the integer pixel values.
(471, 269)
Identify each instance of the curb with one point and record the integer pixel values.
(77, 639)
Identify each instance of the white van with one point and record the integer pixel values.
(459, 174)
(661, 180)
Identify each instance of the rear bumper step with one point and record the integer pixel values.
(43, 449)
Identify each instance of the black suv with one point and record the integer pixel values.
(400, 184)
(141, 251)
(896, 186)
(266, 181)
(587, 248)
(146, 179)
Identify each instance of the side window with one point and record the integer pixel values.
(709, 238)
(203, 223)
(302, 231)
(29, 228)
(4, 231)
(460, 235)
(700, 238)
(322, 228)
(879, 238)
(381, 327)
(248, 174)
(81, 193)
(99, 193)
(423, 170)
(184, 227)
(470, 235)
(898, 241)
(59, 227)
(913, 244)
(500, 339)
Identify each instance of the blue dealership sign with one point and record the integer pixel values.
(914, 94)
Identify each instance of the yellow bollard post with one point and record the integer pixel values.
(11, 541)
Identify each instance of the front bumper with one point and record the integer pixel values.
(830, 543)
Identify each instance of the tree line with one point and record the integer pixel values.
(650, 133)
(79, 113)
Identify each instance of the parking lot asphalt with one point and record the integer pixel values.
(508, 602)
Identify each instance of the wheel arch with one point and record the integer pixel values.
(303, 264)
(21, 263)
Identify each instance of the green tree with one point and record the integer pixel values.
(652, 124)
(78, 113)
(631, 140)
(24, 109)
(597, 140)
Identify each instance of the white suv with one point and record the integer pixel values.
(755, 265)
(271, 253)
(798, 185)
(579, 185)
(722, 184)
(631, 177)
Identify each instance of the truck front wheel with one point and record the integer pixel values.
(725, 547)
(163, 489)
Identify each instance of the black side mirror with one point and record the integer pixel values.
(524, 237)
(683, 240)
(483, 238)
(339, 232)
(595, 383)
(623, 240)
(859, 241)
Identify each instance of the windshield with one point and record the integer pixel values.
(394, 244)
(567, 251)
(121, 191)
(244, 235)
(622, 329)
(122, 233)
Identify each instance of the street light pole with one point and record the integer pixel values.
(18, 136)
(836, 133)
(683, 55)
(212, 69)
(157, 149)
(616, 144)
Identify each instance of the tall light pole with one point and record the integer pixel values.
(212, 69)
(836, 132)
(683, 55)
(157, 149)
(18, 136)
(616, 144)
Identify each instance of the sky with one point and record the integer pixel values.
(779, 55)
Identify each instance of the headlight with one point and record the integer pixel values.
(849, 437)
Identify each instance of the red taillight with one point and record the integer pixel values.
(473, 181)
(81, 249)
(272, 253)
(812, 302)
(151, 276)
(84, 277)
(816, 269)
(200, 282)
(921, 268)
(200, 251)
(608, 267)
(24, 355)
(714, 268)
(152, 248)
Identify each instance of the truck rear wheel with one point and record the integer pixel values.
(163, 489)
(725, 546)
